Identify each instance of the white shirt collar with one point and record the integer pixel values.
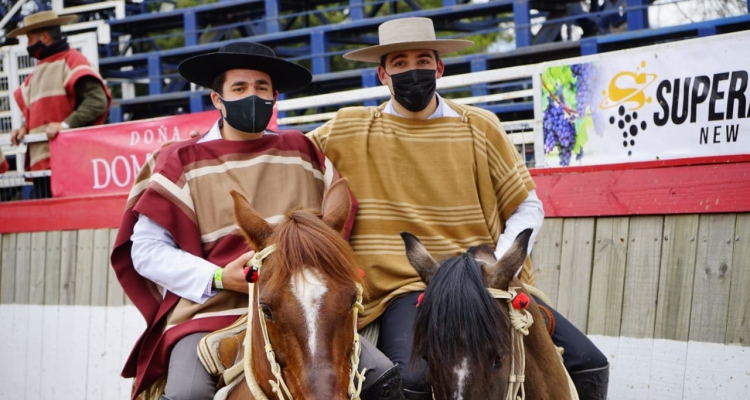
(442, 110)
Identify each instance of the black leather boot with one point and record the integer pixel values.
(387, 387)
(591, 384)
(411, 395)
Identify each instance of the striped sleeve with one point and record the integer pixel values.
(511, 179)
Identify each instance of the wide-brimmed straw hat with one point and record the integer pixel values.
(42, 19)
(286, 76)
(406, 34)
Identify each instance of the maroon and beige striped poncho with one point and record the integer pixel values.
(186, 191)
(451, 181)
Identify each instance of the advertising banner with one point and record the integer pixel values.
(676, 100)
(105, 159)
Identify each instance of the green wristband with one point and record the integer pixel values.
(217, 278)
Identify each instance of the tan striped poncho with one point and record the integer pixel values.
(452, 182)
(186, 191)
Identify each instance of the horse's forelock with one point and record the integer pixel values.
(457, 305)
(303, 240)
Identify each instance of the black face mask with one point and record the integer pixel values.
(41, 51)
(250, 115)
(414, 89)
(36, 50)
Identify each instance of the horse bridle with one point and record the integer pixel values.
(279, 386)
(521, 320)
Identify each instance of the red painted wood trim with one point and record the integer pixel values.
(68, 213)
(687, 189)
(694, 186)
(643, 165)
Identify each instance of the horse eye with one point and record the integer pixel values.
(354, 300)
(266, 311)
(499, 361)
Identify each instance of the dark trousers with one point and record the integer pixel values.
(397, 330)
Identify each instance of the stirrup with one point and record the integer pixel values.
(387, 387)
(412, 395)
(591, 384)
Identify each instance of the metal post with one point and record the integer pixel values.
(637, 14)
(479, 64)
(115, 113)
(320, 62)
(706, 31)
(190, 27)
(196, 102)
(356, 10)
(370, 79)
(272, 16)
(154, 74)
(589, 46)
(522, 20)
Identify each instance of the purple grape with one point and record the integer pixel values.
(558, 130)
(584, 74)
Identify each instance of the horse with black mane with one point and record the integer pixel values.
(477, 344)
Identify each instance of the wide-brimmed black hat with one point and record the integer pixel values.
(286, 76)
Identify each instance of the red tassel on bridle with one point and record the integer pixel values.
(521, 301)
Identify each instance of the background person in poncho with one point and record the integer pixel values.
(444, 172)
(62, 92)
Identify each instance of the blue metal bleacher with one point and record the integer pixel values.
(314, 34)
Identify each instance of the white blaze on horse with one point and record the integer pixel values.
(476, 346)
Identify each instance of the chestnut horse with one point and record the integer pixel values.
(305, 302)
(465, 333)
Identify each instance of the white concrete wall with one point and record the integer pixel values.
(77, 353)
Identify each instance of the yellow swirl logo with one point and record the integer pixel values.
(626, 88)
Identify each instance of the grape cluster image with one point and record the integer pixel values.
(630, 126)
(558, 131)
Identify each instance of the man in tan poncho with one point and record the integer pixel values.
(444, 172)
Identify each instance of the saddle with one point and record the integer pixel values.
(221, 353)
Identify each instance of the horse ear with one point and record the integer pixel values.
(255, 229)
(419, 258)
(500, 274)
(337, 205)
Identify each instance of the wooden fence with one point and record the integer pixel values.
(661, 295)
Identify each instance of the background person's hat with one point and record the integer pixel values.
(286, 76)
(42, 19)
(406, 34)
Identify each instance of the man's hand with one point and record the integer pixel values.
(16, 135)
(233, 277)
(169, 142)
(52, 129)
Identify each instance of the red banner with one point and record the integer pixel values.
(105, 159)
